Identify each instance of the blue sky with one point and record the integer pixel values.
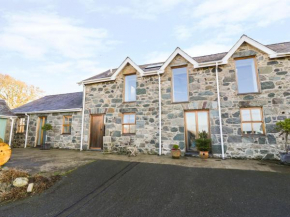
(53, 44)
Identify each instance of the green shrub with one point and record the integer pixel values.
(46, 127)
(175, 147)
(1, 140)
(284, 128)
(203, 142)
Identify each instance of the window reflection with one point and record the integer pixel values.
(180, 86)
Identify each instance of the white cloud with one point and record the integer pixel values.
(148, 10)
(231, 17)
(60, 50)
(212, 13)
(207, 49)
(182, 32)
(156, 56)
(37, 35)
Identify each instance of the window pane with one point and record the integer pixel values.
(67, 120)
(132, 129)
(246, 116)
(132, 119)
(246, 75)
(130, 88)
(247, 128)
(65, 129)
(191, 130)
(202, 121)
(180, 89)
(256, 114)
(126, 128)
(258, 128)
(126, 119)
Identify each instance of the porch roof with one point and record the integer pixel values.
(53, 103)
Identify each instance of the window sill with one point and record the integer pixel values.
(128, 134)
(129, 102)
(20, 133)
(66, 134)
(254, 135)
(179, 102)
(248, 93)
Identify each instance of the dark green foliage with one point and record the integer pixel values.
(203, 142)
(175, 147)
(46, 127)
(284, 128)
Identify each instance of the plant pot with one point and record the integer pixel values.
(176, 153)
(203, 154)
(285, 158)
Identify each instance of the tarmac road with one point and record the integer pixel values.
(118, 188)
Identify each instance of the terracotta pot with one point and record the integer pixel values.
(176, 153)
(203, 154)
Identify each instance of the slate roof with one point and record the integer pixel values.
(53, 102)
(279, 48)
(4, 109)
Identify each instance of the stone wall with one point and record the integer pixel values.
(202, 95)
(274, 99)
(107, 98)
(54, 137)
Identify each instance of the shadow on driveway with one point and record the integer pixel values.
(118, 188)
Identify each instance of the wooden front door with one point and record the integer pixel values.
(97, 131)
(41, 134)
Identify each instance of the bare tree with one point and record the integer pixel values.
(17, 93)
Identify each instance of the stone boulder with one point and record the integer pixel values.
(20, 182)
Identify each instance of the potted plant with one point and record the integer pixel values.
(203, 144)
(284, 128)
(175, 152)
(46, 145)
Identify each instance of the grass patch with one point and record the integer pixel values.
(10, 193)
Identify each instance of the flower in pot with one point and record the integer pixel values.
(46, 127)
(284, 128)
(175, 152)
(203, 144)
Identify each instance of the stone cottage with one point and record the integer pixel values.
(239, 94)
(62, 111)
(236, 97)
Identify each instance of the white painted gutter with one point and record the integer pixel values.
(51, 111)
(160, 140)
(277, 55)
(219, 106)
(11, 131)
(26, 136)
(83, 117)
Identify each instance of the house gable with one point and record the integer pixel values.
(250, 41)
(180, 52)
(124, 64)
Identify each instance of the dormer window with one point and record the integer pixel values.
(130, 88)
(179, 84)
(247, 76)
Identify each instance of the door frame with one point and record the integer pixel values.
(37, 128)
(90, 128)
(196, 121)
